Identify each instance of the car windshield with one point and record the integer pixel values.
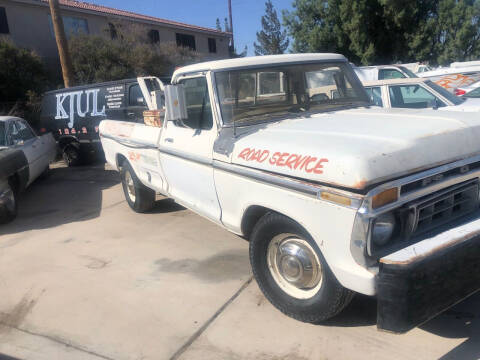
(268, 93)
(445, 93)
(3, 135)
(473, 94)
(410, 73)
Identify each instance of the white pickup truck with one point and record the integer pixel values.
(335, 197)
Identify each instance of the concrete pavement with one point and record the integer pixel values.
(84, 277)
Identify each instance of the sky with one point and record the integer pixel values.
(246, 14)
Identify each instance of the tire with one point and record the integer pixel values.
(8, 211)
(139, 197)
(318, 296)
(71, 155)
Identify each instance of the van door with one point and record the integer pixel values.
(136, 103)
(186, 150)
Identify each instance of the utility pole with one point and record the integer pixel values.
(63, 52)
(231, 22)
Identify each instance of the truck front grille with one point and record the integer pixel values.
(441, 208)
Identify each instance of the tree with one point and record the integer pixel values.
(387, 31)
(217, 25)
(226, 25)
(21, 73)
(271, 39)
(99, 58)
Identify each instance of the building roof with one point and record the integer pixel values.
(257, 61)
(134, 16)
(394, 81)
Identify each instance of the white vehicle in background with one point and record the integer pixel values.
(417, 67)
(24, 156)
(469, 91)
(416, 94)
(454, 76)
(335, 197)
(383, 72)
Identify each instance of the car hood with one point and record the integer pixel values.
(469, 105)
(360, 147)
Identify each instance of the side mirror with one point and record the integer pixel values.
(175, 103)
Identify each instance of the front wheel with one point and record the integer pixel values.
(139, 197)
(292, 273)
(71, 155)
(8, 205)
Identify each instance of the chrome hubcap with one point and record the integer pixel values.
(130, 186)
(294, 265)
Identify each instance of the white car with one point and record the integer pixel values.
(469, 91)
(416, 94)
(24, 156)
(335, 197)
(383, 72)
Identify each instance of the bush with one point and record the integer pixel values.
(21, 73)
(130, 54)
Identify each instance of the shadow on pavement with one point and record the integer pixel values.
(460, 321)
(67, 195)
(6, 357)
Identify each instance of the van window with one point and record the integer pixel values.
(135, 96)
(390, 74)
(197, 101)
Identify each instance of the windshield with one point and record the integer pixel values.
(473, 94)
(407, 71)
(445, 93)
(264, 94)
(3, 135)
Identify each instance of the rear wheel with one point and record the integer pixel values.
(139, 197)
(8, 210)
(71, 155)
(292, 273)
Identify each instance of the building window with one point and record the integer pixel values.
(154, 36)
(3, 21)
(212, 45)
(71, 25)
(185, 40)
(113, 31)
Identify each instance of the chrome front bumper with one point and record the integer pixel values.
(420, 281)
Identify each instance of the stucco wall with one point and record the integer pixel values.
(29, 27)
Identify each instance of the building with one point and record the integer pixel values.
(27, 23)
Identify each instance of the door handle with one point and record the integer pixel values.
(131, 114)
(170, 140)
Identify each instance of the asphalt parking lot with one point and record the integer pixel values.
(84, 277)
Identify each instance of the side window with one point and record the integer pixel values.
(22, 131)
(135, 96)
(390, 74)
(197, 101)
(412, 96)
(375, 95)
(3, 21)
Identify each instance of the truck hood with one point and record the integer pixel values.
(360, 147)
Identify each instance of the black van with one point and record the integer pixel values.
(73, 114)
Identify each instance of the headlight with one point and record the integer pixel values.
(383, 228)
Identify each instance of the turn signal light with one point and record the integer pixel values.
(459, 92)
(385, 197)
(339, 199)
